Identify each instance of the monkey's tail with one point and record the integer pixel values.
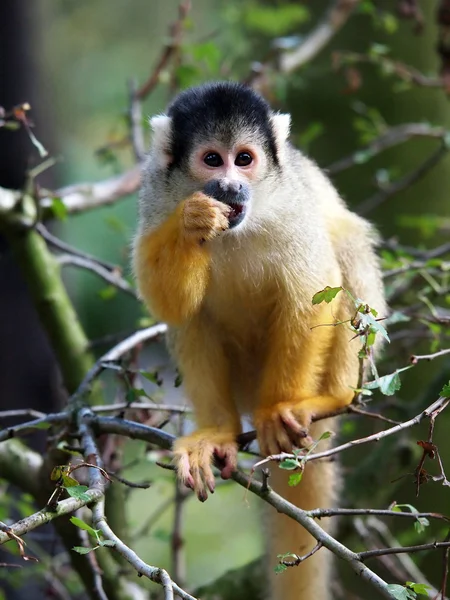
(318, 488)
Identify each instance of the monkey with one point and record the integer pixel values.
(237, 231)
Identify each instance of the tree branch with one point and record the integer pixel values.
(302, 517)
(336, 16)
(86, 196)
(392, 137)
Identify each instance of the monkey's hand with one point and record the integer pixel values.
(194, 455)
(281, 427)
(204, 218)
(284, 425)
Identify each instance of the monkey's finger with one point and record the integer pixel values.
(227, 457)
(184, 470)
(199, 486)
(267, 440)
(288, 418)
(205, 456)
(283, 440)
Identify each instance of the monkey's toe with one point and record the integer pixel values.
(194, 456)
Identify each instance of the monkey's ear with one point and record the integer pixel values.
(281, 124)
(162, 127)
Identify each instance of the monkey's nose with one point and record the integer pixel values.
(230, 186)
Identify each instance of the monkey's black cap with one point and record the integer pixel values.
(220, 111)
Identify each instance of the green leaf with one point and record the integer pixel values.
(82, 549)
(64, 447)
(108, 292)
(288, 464)
(399, 592)
(420, 524)
(378, 50)
(277, 20)
(152, 376)
(362, 156)
(82, 525)
(315, 129)
(187, 75)
(78, 492)
(294, 479)
(325, 435)
(162, 535)
(445, 392)
(59, 209)
(209, 53)
(69, 481)
(326, 295)
(419, 588)
(397, 317)
(133, 394)
(109, 543)
(367, 321)
(280, 569)
(56, 473)
(388, 384)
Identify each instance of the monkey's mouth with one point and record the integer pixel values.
(237, 213)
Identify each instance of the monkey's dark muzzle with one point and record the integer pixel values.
(234, 194)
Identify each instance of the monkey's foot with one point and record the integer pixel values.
(194, 455)
(282, 426)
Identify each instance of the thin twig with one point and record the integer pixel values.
(392, 137)
(21, 412)
(135, 121)
(112, 277)
(299, 559)
(403, 183)
(320, 513)
(140, 406)
(401, 70)
(401, 549)
(168, 51)
(116, 353)
(55, 242)
(177, 542)
(334, 19)
(414, 359)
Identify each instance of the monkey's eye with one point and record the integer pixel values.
(212, 159)
(243, 159)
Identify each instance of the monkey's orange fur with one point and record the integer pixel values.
(171, 266)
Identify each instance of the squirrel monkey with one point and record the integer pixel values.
(237, 231)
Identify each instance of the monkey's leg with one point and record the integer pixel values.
(308, 372)
(206, 380)
(172, 262)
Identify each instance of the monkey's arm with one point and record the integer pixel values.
(172, 262)
(308, 372)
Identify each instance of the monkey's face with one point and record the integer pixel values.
(222, 139)
(227, 174)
